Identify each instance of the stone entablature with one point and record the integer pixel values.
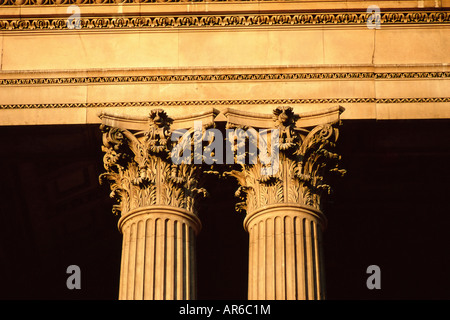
(110, 21)
(239, 54)
(52, 15)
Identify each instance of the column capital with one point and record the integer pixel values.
(139, 166)
(303, 148)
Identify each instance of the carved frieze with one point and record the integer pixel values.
(252, 102)
(219, 20)
(223, 77)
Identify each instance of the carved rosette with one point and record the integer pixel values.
(141, 172)
(306, 159)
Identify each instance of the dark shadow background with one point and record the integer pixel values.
(391, 209)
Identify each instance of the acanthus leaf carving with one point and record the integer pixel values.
(305, 159)
(140, 171)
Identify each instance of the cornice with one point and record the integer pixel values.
(221, 77)
(153, 104)
(208, 20)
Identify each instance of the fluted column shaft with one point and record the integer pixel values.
(282, 196)
(156, 191)
(285, 253)
(158, 254)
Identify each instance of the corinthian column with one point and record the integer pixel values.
(156, 203)
(282, 200)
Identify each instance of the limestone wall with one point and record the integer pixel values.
(185, 57)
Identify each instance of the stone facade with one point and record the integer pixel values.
(223, 54)
(294, 70)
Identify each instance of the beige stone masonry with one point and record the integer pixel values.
(246, 55)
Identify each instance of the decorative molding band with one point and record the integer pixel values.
(17, 3)
(100, 2)
(224, 77)
(153, 104)
(97, 2)
(224, 20)
(410, 75)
